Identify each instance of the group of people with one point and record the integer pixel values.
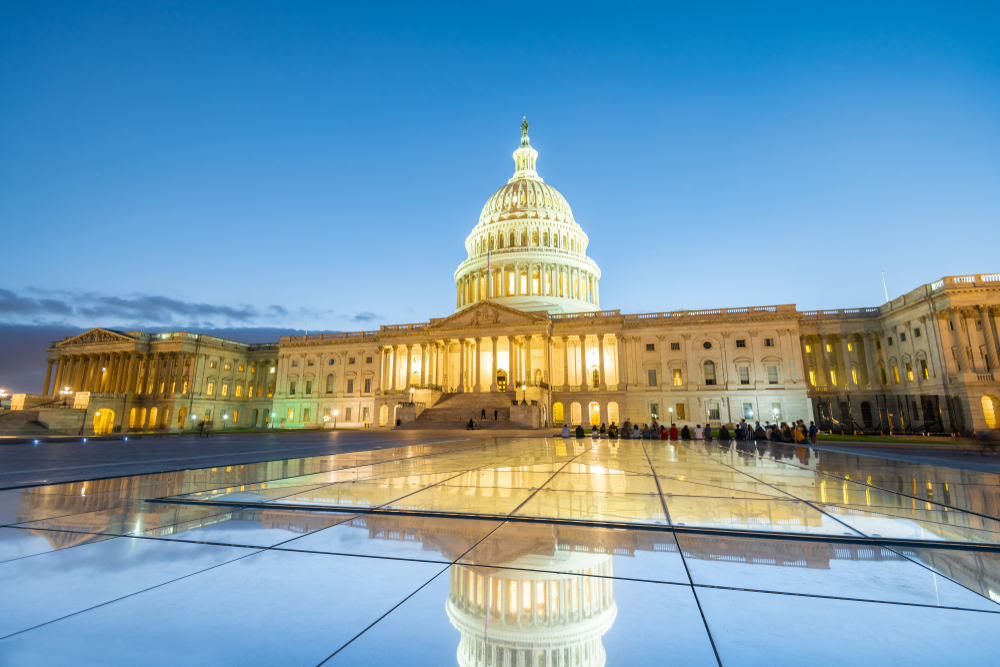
(796, 432)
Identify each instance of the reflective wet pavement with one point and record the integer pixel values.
(509, 552)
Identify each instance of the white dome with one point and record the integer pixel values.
(527, 251)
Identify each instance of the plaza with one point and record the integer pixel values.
(442, 547)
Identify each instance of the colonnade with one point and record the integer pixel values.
(141, 373)
(457, 363)
(528, 279)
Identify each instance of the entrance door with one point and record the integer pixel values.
(501, 380)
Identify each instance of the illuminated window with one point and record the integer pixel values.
(748, 411)
(741, 342)
(654, 410)
(236, 416)
(812, 378)
(713, 412)
(241, 370)
(291, 411)
(228, 366)
(895, 374)
(250, 391)
(679, 411)
(850, 347)
(744, 375)
(214, 364)
(776, 411)
(854, 375)
(829, 347)
(211, 389)
(772, 375)
(650, 347)
(239, 390)
(524, 283)
(909, 372)
(272, 369)
(678, 377)
(675, 346)
(163, 386)
(833, 377)
(923, 369)
(366, 414)
(225, 389)
(809, 349)
(184, 387)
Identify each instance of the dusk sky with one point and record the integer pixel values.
(229, 166)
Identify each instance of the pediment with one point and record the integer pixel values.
(96, 336)
(487, 314)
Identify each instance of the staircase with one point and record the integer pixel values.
(21, 422)
(454, 411)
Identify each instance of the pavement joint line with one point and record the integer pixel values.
(188, 468)
(687, 571)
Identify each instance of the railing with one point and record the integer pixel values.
(985, 377)
(842, 313)
(403, 327)
(330, 336)
(714, 312)
(594, 315)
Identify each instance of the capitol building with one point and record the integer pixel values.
(530, 345)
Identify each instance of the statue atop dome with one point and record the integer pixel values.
(524, 131)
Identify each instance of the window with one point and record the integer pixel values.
(351, 361)
(678, 377)
(916, 332)
(889, 339)
(329, 362)
(291, 412)
(709, 372)
(305, 415)
(236, 416)
(833, 377)
(272, 369)
(250, 391)
(675, 346)
(239, 390)
(895, 374)
(650, 347)
(291, 388)
(184, 387)
(881, 374)
(309, 387)
(214, 364)
(741, 342)
(309, 362)
(295, 362)
(350, 386)
(707, 345)
(772, 375)
(776, 411)
(850, 347)
(854, 375)
(368, 360)
(654, 410)
(923, 369)
(241, 370)
(909, 372)
(713, 412)
(812, 377)
(829, 347)
(229, 367)
(768, 342)
(809, 349)
(368, 385)
(651, 377)
(679, 411)
(347, 414)
(902, 338)
(878, 345)
(366, 414)
(329, 383)
(744, 375)
(211, 389)
(748, 411)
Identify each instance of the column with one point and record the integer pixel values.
(179, 387)
(565, 344)
(60, 370)
(621, 372)
(826, 363)
(409, 362)
(118, 360)
(511, 381)
(547, 360)
(143, 373)
(600, 360)
(394, 370)
(584, 384)
(477, 382)
(844, 342)
(988, 334)
(128, 386)
(83, 361)
(805, 361)
(461, 364)
(493, 354)
(48, 376)
(961, 351)
(869, 365)
(529, 371)
(423, 364)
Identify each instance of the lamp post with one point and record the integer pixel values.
(225, 418)
(326, 420)
(334, 420)
(194, 418)
(524, 394)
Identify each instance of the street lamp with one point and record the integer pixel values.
(225, 418)
(326, 419)
(194, 418)
(334, 419)
(411, 395)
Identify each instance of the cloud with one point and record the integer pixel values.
(41, 307)
(365, 316)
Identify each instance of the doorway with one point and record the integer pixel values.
(104, 421)
(501, 380)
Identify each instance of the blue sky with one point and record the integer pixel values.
(213, 165)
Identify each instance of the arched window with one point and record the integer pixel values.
(329, 383)
(534, 238)
(524, 238)
(709, 367)
(491, 243)
(500, 241)
(555, 244)
(513, 241)
(545, 239)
